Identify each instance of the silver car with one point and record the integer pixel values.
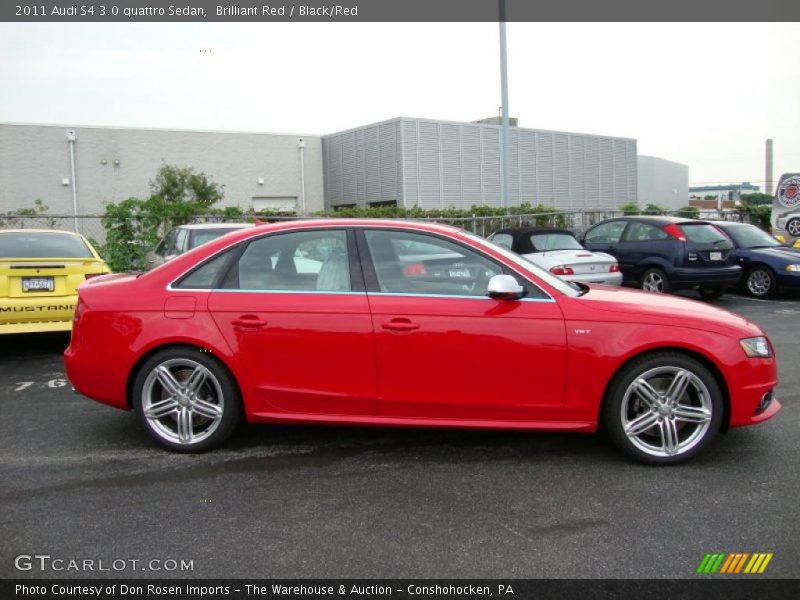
(186, 237)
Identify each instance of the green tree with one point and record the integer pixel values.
(655, 209)
(179, 193)
(756, 199)
(688, 212)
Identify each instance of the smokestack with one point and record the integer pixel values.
(768, 189)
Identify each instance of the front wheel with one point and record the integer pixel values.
(793, 227)
(663, 408)
(655, 280)
(186, 400)
(760, 282)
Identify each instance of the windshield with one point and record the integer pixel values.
(201, 236)
(42, 245)
(562, 286)
(543, 242)
(750, 236)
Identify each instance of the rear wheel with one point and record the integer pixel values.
(186, 400)
(711, 292)
(793, 227)
(663, 408)
(655, 280)
(760, 282)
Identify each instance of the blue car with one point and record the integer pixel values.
(767, 265)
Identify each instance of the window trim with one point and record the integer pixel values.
(373, 286)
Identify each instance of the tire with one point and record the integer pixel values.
(656, 281)
(711, 292)
(760, 282)
(793, 226)
(654, 427)
(186, 399)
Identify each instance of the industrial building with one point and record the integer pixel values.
(441, 164)
(403, 161)
(731, 191)
(662, 182)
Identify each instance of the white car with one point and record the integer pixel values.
(558, 251)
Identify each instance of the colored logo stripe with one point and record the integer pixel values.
(734, 562)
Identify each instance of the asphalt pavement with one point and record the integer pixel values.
(83, 482)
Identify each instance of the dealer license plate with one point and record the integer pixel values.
(715, 255)
(38, 284)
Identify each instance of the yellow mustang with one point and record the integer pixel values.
(40, 270)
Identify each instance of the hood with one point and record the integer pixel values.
(790, 255)
(647, 307)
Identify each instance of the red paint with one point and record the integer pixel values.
(378, 359)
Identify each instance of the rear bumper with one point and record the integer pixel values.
(37, 314)
(35, 326)
(604, 278)
(725, 276)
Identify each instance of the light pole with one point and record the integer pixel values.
(504, 97)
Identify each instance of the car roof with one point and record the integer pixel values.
(216, 225)
(531, 230)
(659, 219)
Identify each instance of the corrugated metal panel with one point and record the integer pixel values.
(471, 184)
(372, 155)
(450, 151)
(528, 187)
(388, 161)
(348, 145)
(335, 157)
(606, 173)
(562, 194)
(513, 173)
(620, 172)
(577, 169)
(361, 169)
(592, 171)
(633, 168)
(429, 166)
(411, 166)
(490, 150)
(544, 167)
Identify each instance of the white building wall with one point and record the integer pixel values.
(663, 182)
(35, 158)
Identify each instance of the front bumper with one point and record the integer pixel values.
(604, 278)
(725, 276)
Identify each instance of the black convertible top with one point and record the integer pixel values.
(521, 237)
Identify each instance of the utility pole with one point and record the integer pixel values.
(504, 137)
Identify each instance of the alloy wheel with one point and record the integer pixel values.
(793, 227)
(759, 282)
(653, 282)
(666, 411)
(182, 401)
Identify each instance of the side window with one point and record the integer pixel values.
(412, 263)
(305, 261)
(644, 232)
(503, 239)
(203, 277)
(180, 241)
(164, 247)
(606, 233)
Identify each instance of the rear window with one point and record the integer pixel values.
(544, 242)
(703, 233)
(42, 245)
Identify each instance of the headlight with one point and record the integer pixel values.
(757, 347)
(793, 268)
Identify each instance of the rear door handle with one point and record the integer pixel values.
(400, 325)
(249, 322)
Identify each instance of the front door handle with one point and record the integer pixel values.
(400, 325)
(249, 322)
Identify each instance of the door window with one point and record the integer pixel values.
(412, 263)
(606, 233)
(644, 232)
(305, 261)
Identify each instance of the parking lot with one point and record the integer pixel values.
(84, 481)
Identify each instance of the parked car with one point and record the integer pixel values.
(478, 337)
(185, 237)
(665, 254)
(790, 223)
(558, 251)
(40, 270)
(768, 266)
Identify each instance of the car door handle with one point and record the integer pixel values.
(400, 325)
(249, 322)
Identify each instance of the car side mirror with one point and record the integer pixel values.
(505, 287)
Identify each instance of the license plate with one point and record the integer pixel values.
(460, 274)
(38, 284)
(715, 255)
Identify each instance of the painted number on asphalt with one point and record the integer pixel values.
(58, 382)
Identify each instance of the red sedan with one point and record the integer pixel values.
(408, 324)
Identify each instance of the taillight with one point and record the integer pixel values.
(674, 231)
(562, 270)
(614, 268)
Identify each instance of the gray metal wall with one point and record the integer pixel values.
(35, 158)
(662, 182)
(440, 164)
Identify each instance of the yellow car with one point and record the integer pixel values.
(40, 271)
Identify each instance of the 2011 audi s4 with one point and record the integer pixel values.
(407, 324)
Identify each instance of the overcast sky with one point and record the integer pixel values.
(706, 95)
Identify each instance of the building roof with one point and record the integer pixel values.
(746, 185)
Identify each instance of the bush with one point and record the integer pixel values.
(631, 208)
(689, 212)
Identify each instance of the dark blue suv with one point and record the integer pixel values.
(663, 254)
